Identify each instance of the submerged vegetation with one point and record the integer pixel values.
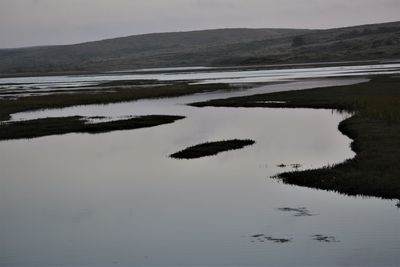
(262, 238)
(324, 238)
(374, 127)
(211, 148)
(297, 212)
(77, 124)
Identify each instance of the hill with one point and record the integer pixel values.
(210, 48)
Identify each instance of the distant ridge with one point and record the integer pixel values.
(219, 47)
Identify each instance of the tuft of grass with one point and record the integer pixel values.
(77, 124)
(374, 127)
(211, 148)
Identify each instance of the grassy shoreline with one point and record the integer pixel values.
(58, 100)
(374, 127)
(211, 148)
(77, 124)
(63, 125)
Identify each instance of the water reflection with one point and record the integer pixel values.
(118, 199)
(176, 105)
(209, 76)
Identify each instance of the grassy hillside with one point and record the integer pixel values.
(128, 52)
(210, 48)
(367, 42)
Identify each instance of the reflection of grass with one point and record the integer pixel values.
(63, 125)
(262, 238)
(58, 100)
(375, 128)
(324, 238)
(298, 212)
(211, 148)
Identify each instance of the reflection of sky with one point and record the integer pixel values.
(211, 76)
(175, 105)
(118, 199)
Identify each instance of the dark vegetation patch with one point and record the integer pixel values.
(223, 47)
(374, 127)
(262, 238)
(296, 166)
(297, 212)
(77, 124)
(324, 238)
(293, 165)
(132, 82)
(211, 148)
(61, 100)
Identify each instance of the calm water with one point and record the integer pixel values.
(117, 199)
(176, 105)
(208, 75)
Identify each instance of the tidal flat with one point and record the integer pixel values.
(121, 199)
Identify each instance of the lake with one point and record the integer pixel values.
(118, 199)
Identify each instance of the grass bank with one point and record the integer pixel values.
(211, 148)
(374, 127)
(60, 100)
(77, 124)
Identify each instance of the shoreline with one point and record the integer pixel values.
(95, 96)
(252, 67)
(374, 129)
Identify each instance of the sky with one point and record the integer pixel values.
(47, 22)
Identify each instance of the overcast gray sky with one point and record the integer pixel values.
(39, 22)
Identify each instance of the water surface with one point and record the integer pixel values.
(208, 75)
(117, 199)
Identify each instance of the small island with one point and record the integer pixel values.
(211, 148)
(77, 124)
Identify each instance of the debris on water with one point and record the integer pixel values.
(324, 238)
(298, 212)
(278, 240)
(296, 166)
(398, 204)
(263, 237)
(257, 236)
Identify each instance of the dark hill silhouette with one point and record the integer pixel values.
(210, 48)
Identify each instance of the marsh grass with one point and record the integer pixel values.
(297, 212)
(61, 100)
(263, 237)
(325, 238)
(374, 127)
(76, 124)
(211, 148)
